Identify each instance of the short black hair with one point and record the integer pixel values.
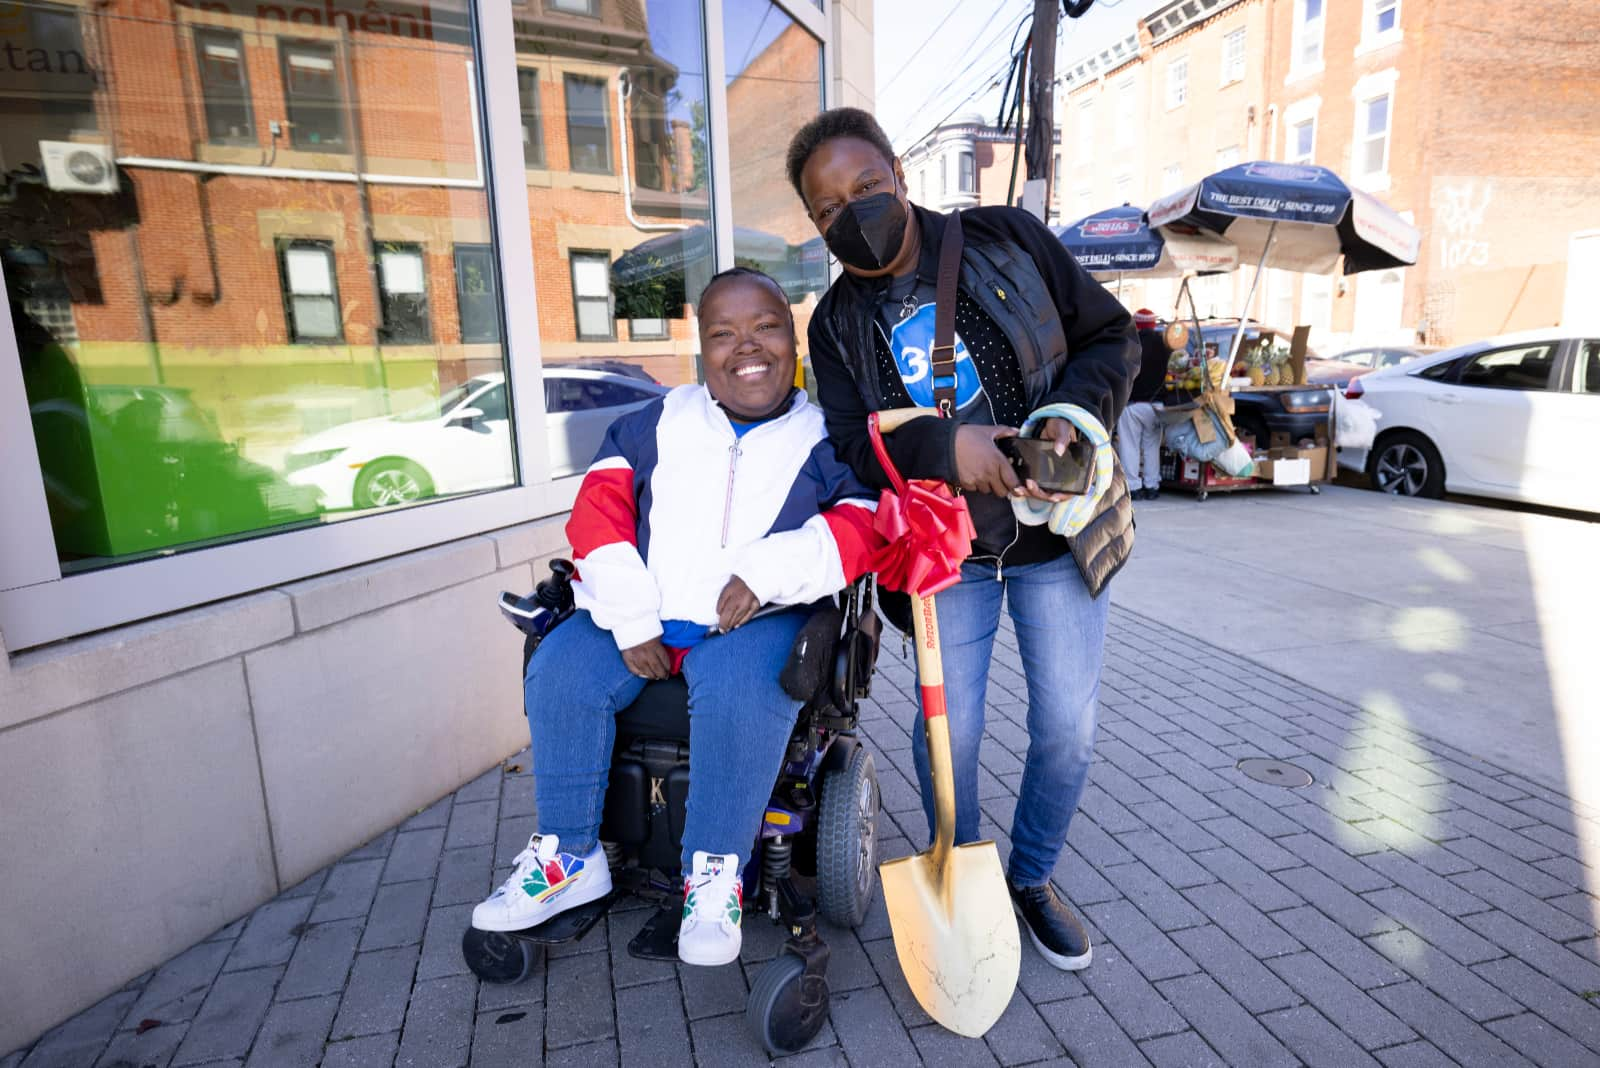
(739, 272)
(829, 126)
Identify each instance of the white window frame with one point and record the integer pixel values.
(1369, 88)
(1127, 111)
(1086, 129)
(1372, 38)
(1301, 111)
(39, 605)
(1233, 66)
(1227, 156)
(1177, 82)
(1171, 179)
(1292, 152)
(1304, 30)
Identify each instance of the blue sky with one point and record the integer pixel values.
(961, 46)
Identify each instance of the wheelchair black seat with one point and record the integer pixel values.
(660, 711)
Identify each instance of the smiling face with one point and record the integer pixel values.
(747, 345)
(846, 169)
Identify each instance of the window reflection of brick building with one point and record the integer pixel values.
(1411, 100)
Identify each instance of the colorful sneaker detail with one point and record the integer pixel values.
(713, 905)
(544, 882)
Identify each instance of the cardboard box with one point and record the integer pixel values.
(1322, 457)
(1284, 472)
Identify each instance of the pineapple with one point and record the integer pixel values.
(1258, 377)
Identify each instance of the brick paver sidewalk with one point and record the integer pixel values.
(1413, 907)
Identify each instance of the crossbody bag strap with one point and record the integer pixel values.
(943, 357)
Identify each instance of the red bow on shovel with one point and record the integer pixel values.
(949, 909)
(927, 527)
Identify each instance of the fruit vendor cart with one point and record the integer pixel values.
(1271, 377)
(1295, 218)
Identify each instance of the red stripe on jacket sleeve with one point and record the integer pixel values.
(605, 512)
(853, 532)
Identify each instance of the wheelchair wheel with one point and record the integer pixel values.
(785, 1009)
(496, 957)
(847, 841)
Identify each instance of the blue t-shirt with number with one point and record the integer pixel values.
(989, 386)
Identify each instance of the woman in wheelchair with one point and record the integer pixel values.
(700, 509)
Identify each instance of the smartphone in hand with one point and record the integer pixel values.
(1036, 458)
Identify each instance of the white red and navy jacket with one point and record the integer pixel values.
(676, 503)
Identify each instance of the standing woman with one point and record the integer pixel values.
(1032, 328)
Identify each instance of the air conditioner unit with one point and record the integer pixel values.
(74, 167)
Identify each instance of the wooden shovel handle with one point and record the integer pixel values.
(893, 419)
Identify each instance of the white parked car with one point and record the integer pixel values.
(1516, 416)
(461, 442)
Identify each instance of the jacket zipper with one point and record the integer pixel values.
(727, 507)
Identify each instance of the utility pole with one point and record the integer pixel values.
(1041, 137)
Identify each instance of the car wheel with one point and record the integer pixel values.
(385, 483)
(1406, 464)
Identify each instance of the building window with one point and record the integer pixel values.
(1126, 106)
(922, 186)
(1085, 202)
(968, 172)
(591, 296)
(1302, 146)
(1178, 82)
(224, 87)
(1227, 157)
(1124, 189)
(315, 101)
(1172, 178)
(1055, 174)
(403, 285)
(1308, 27)
(310, 291)
(1372, 142)
(532, 127)
(1086, 130)
(477, 294)
(647, 330)
(1384, 17)
(573, 7)
(944, 176)
(588, 125)
(1233, 57)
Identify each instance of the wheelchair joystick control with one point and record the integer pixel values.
(555, 592)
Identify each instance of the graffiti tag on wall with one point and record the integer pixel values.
(1460, 211)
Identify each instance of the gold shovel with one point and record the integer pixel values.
(949, 907)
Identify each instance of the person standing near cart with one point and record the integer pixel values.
(1031, 328)
(1139, 428)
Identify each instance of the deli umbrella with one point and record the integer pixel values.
(1118, 240)
(949, 907)
(1291, 216)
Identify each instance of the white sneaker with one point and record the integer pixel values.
(713, 903)
(544, 882)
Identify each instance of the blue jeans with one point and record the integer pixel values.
(1061, 632)
(739, 725)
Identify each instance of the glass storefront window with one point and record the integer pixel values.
(619, 206)
(774, 85)
(249, 258)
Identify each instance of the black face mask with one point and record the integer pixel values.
(868, 232)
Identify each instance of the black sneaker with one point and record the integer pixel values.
(1152, 494)
(1056, 932)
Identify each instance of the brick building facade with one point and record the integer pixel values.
(1475, 119)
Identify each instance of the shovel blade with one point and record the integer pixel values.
(955, 934)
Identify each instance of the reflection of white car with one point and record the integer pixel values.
(459, 443)
(579, 405)
(1513, 417)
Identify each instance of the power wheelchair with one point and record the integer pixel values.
(817, 850)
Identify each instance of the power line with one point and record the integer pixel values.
(992, 78)
(955, 5)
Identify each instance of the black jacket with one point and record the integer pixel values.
(1153, 368)
(1073, 341)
